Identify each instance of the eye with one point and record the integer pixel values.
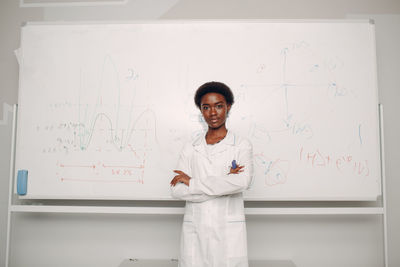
(220, 106)
(204, 107)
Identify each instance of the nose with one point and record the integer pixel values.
(213, 111)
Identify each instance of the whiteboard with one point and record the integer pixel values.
(104, 109)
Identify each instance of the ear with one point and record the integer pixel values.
(229, 108)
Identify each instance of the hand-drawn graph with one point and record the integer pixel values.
(110, 125)
(318, 75)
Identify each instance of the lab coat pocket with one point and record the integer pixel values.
(236, 237)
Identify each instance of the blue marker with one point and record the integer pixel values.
(234, 165)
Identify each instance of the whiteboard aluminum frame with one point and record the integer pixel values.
(190, 21)
(383, 186)
(11, 184)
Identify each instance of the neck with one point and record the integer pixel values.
(214, 135)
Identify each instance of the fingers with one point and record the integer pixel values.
(174, 181)
(180, 178)
(241, 168)
(238, 169)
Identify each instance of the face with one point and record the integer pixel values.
(214, 109)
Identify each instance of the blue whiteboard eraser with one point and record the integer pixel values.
(22, 182)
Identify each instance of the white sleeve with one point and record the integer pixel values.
(180, 190)
(229, 183)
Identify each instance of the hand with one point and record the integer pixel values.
(180, 178)
(236, 170)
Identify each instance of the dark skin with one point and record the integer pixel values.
(215, 111)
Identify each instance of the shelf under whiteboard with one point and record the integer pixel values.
(178, 211)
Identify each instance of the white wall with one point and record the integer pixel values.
(101, 240)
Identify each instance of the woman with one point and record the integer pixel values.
(214, 229)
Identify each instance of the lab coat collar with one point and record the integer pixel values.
(200, 144)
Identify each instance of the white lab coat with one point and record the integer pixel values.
(214, 228)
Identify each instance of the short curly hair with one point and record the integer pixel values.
(214, 87)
